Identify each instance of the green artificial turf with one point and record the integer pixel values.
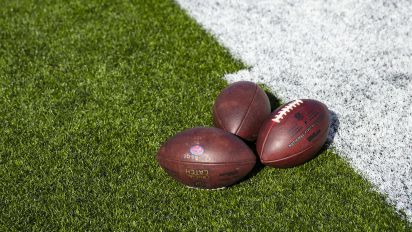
(89, 90)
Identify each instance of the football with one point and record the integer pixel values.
(293, 134)
(207, 158)
(241, 109)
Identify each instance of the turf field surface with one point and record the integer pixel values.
(90, 90)
(353, 55)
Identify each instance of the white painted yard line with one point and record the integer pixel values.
(354, 55)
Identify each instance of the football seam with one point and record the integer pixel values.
(219, 163)
(265, 139)
(267, 134)
(285, 158)
(218, 118)
(248, 109)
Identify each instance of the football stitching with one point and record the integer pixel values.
(267, 134)
(286, 109)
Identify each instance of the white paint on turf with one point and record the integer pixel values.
(354, 55)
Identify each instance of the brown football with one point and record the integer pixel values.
(293, 134)
(206, 158)
(241, 109)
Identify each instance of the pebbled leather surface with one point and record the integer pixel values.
(241, 109)
(206, 158)
(297, 137)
